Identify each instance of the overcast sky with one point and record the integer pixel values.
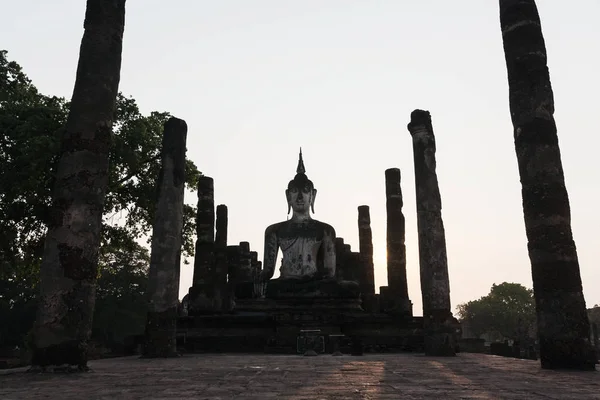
(257, 79)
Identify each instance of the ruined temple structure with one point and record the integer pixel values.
(324, 299)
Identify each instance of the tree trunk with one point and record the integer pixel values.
(163, 275)
(563, 324)
(70, 261)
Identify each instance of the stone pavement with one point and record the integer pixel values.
(251, 376)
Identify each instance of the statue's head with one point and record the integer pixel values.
(301, 192)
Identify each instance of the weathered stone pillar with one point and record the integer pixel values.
(595, 338)
(365, 238)
(233, 263)
(397, 295)
(163, 274)
(245, 263)
(435, 285)
(205, 232)
(245, 272)
(256, 265)
(355, 266)
(70, 260)
(563, 323)
(201, 294)
(221, 226)
(339, 258)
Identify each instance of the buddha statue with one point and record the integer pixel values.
(308, 247)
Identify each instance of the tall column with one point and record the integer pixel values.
(221, 226)
(397, 293)
(563, 323)
(365, 239)
(163, 274)
(435, 286)
(70, 260)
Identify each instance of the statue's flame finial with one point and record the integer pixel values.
(300, 169)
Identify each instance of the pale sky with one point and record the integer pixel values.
(257, 79)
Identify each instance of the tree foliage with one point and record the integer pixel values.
(31, 127)
(508, 312)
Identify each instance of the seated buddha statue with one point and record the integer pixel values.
(308, 247)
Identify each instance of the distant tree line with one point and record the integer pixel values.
(506, 312)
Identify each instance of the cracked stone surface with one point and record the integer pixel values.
(240, 376)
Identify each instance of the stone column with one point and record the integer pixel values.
(221, 226)
(205, 232)
(339, 258)
(435, 286)
(397, 294)
(595, 338)
(69, 265)
(233, 261)
(163, 274)
(245, 263)
(244, 285)
(365, 238)
(563, 323)
(256, 265)
(355, 266)
(201, 294)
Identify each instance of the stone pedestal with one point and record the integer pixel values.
(335, 343)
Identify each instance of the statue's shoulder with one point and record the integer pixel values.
(275, 227)
(325, 227)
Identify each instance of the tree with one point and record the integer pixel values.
(563, 326)
(507, 312)
(121, 301)
(31, 126)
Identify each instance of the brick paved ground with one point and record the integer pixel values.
(390, 376)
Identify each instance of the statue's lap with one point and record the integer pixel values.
(310, 287)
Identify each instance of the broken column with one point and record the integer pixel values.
(203, 284)
(367, 279)
(365, 239)
(339, 258)
(163, 274)
(244, 275)
(562, 319)
(256, 265)
(232, 255)
(221, 227)
(435, 285)
(220, 294)
(397, 301)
